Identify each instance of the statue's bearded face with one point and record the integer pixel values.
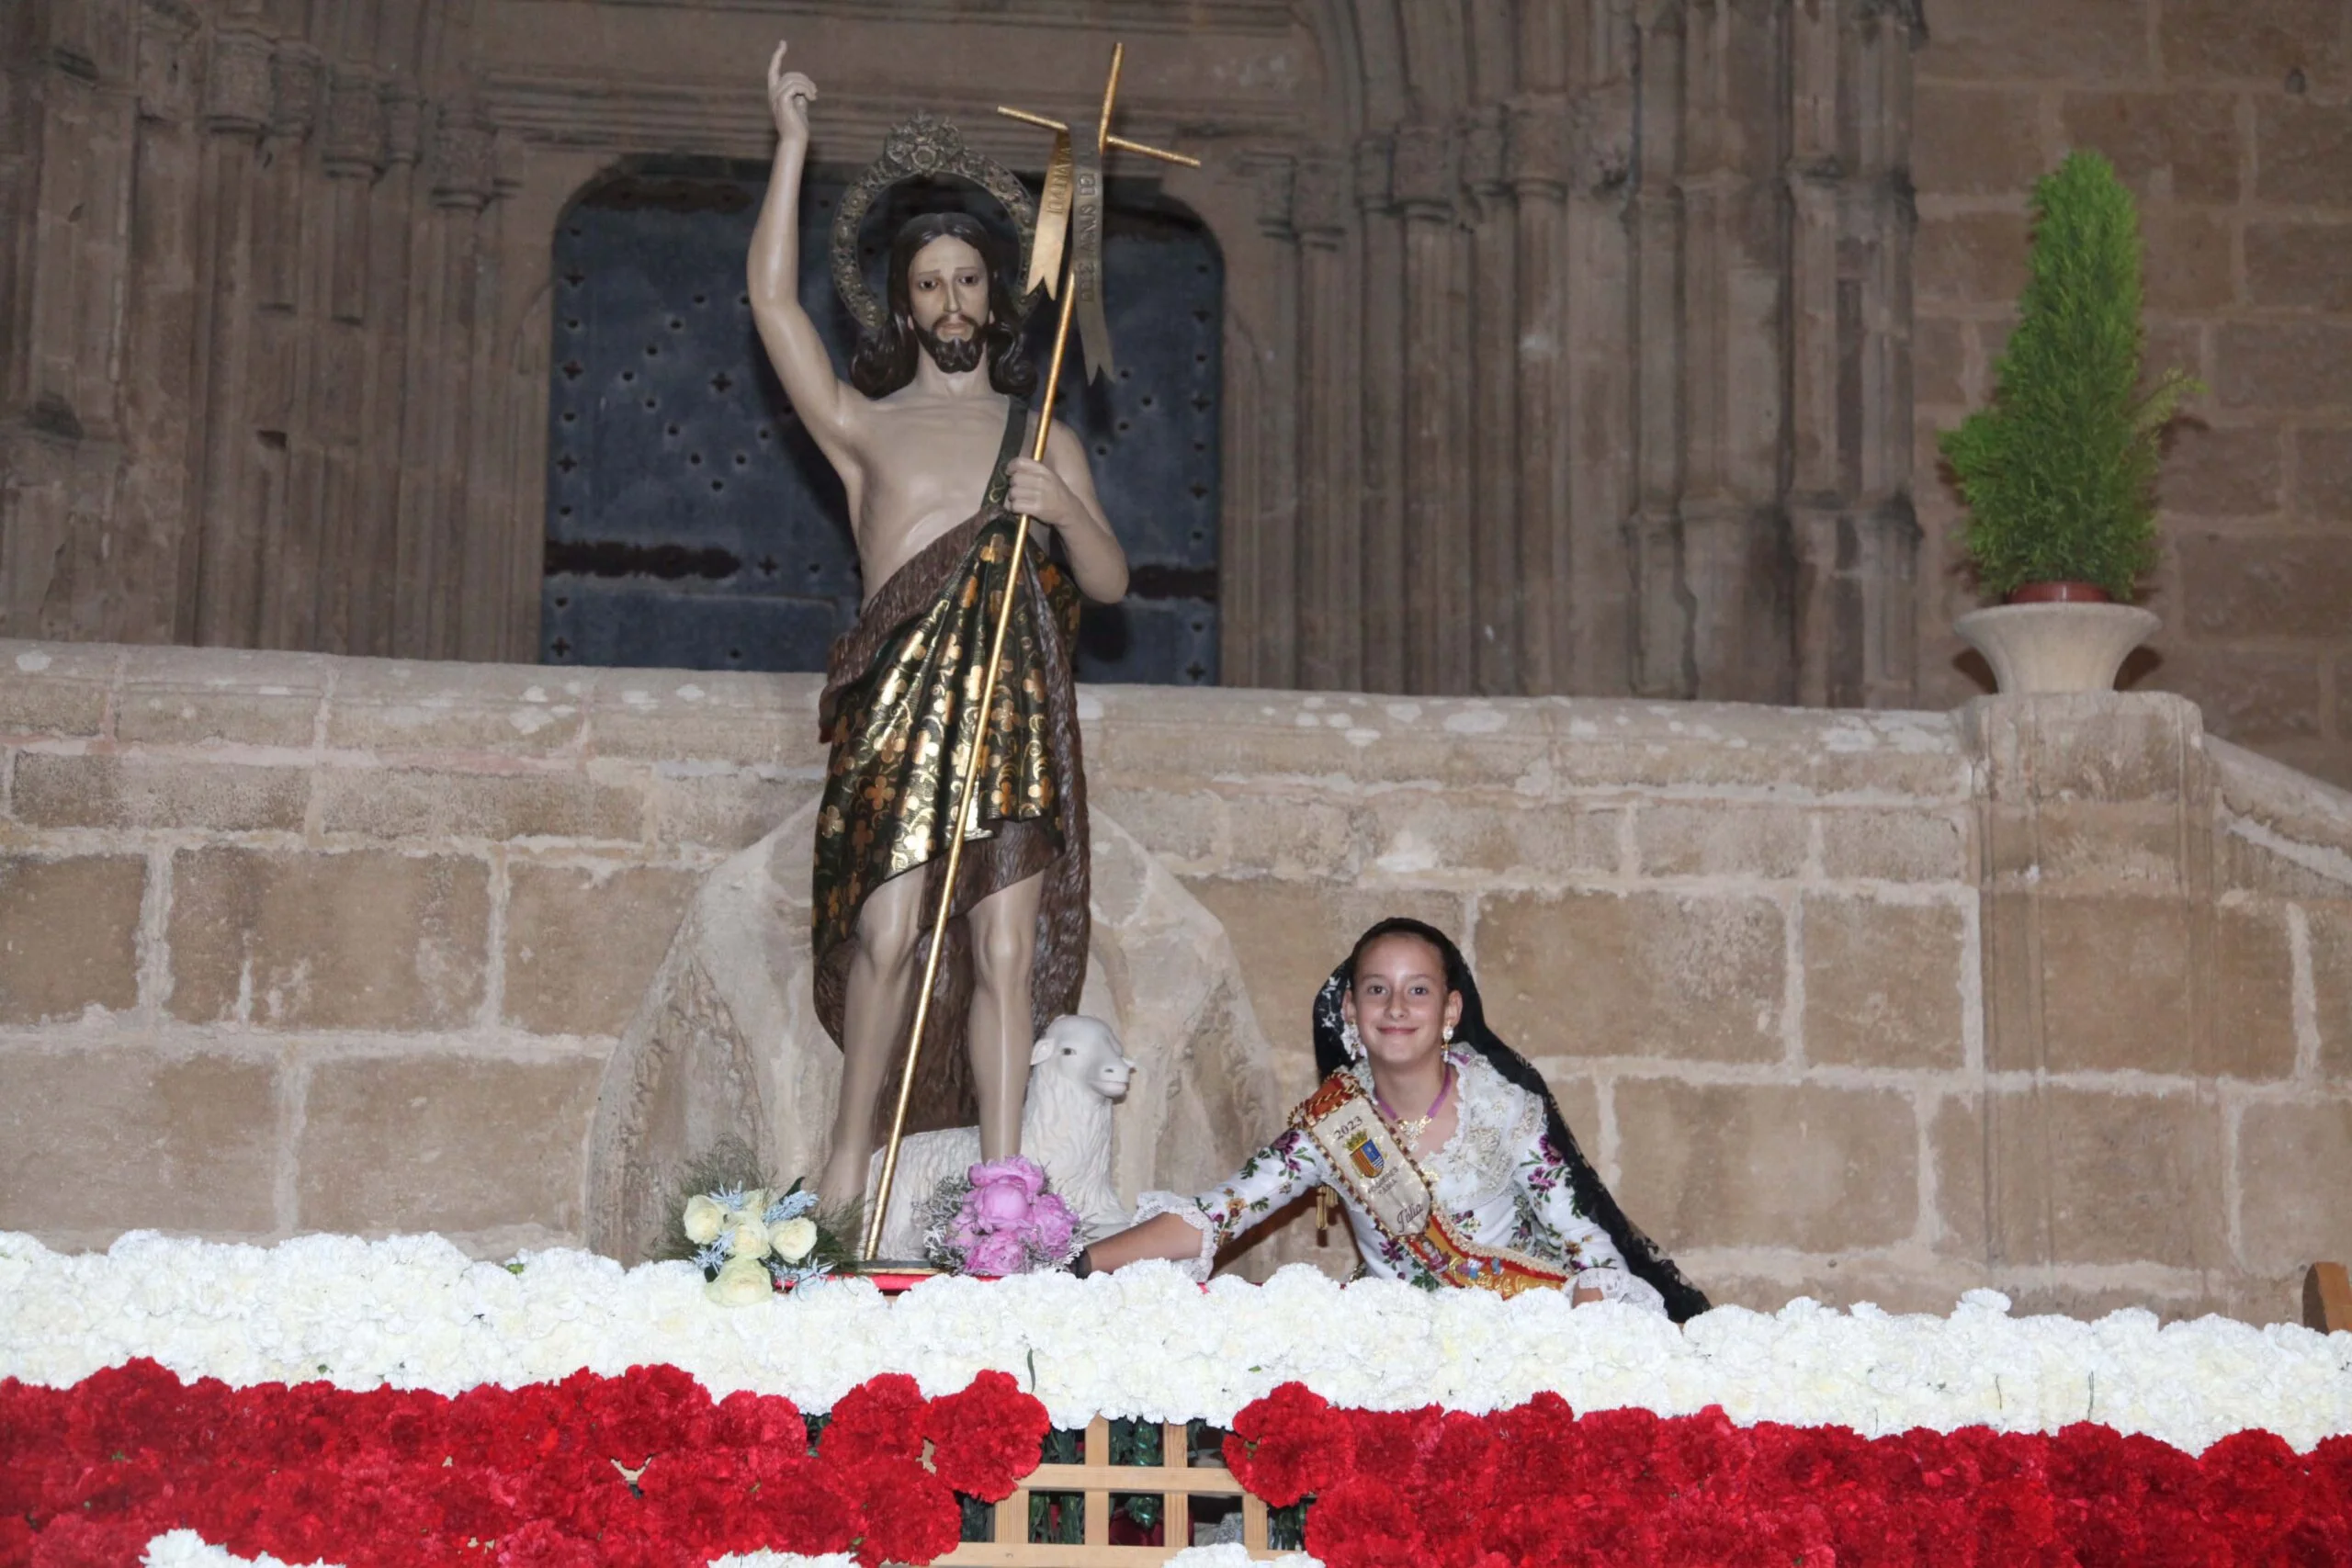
(948, 291)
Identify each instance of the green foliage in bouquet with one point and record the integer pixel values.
(2059, 472)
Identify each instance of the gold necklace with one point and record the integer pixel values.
(1409, 1130)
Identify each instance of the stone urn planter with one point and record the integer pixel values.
(2056, 637)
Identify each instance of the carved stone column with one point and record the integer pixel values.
(83, 112)
(1438, 547)
(72, 100)
(434, 510)
(1266, 604)
(1852, 528)
(1501, 595)
(237, 110)
(499, 615)
(285, 239)
(1735, 558)
(385, 413)
(1595, 639)
(1537, 168)
(1330, 584)
(1654, 536)
(152, 574)
(1380, 326)
(352, 155)
(1504, 594)
(1887, 33)
(1822, 466)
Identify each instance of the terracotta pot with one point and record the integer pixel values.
(2060, 593)
(2053, 647)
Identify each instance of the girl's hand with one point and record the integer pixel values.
(1584, 1295)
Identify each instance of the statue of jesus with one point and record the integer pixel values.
(926, 436)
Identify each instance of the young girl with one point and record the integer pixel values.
(1442, 1142)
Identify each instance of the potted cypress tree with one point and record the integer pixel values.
(2059, 471)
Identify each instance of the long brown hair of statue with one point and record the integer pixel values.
(883, 361)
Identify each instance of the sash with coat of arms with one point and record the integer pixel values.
(1370, 1163)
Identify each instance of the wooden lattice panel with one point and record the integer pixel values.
(1175, 1480)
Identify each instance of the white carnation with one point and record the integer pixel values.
(415, 1312)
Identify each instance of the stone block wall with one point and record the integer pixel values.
(2232, 122)
(2053, 994)
(297, 943)
(2045, 995)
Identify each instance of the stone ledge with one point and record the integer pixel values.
(1551, 747)
(2298, 809)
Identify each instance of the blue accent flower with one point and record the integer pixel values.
(791, 1206)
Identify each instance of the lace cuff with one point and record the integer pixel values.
(1150, 1205)
(1620, 1285)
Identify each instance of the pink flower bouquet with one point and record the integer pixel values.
(999, 1217)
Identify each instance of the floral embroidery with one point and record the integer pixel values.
(1498, 1175)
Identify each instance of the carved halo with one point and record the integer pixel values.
(925, 146)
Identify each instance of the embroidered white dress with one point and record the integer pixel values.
(1498, 1178)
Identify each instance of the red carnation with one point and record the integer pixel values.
(1706, 1451)
(1615, 1447)
(74, 1541)
(1388, 1444)
(1287, 1445)
(748, 1420)
(698, 1499)
(1541, 1531)
(2015, 1524)
(805, 1509)
(1363, 1523)
(538, 1544)
(1461, 1462)
(880, 1418)
(904, 1514)
(1538, 1445)
(2255, 1492)
(985, 1439)
(644, 1411)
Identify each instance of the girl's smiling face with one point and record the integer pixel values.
(1399, 1003)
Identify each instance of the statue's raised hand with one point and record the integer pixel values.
(789, 93)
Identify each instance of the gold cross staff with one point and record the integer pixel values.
(1057, 224)
(1121, 142)
(1056, 217)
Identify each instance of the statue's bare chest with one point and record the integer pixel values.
(926, 458)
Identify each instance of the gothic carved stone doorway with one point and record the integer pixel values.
(1563, 345)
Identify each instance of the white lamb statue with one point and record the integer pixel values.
(1076, 1071)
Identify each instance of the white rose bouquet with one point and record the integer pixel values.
(749, 1240)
